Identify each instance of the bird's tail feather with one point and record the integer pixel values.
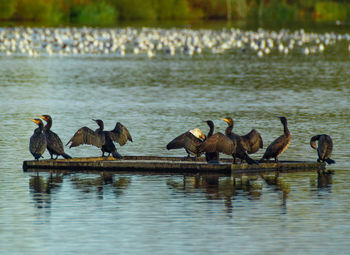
(251, 161)
(68, 142)
(330, 161)
(66, 156)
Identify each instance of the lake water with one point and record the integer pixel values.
(158, 99)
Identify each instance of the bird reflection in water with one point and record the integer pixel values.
(323, 182)
(105, 180)
(232, 188)
(41, 189)
(218, 187)
(279, 185)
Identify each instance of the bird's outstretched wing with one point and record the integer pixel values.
(85, 136)
(120, 134)
(252, 141)
(177, 143)
(218, 143)
(192, 144)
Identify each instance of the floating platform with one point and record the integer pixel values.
(174, 165)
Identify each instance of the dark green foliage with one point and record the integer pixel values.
(330, 11)
(98, 13)
(152, 9)
(7, 8)
(39, 10)
(108, 12)
(135, 9)
(279, 11)
(172, 9)
(211, 8)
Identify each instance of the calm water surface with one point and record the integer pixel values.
(157, 99)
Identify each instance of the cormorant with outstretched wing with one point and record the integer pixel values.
(102, 139)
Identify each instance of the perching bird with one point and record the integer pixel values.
(220, 143)
(211, 156)
(280, 145)
(37, 143)
(190, 141)
(240, 150)
(102, 139)
(54, 143)
(324, 148)
(251, 142)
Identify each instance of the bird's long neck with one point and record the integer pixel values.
(285, 129)
(48, 124)
(211, 129)
(228, 130)
(101, 125)
(40, 127)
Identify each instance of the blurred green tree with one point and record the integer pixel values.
(7, 9)
(171, 9)
(135, 9)
(330, 11)
(239, 8)
(95, 13)
(106, 12)
(279, 11)
(38, 10)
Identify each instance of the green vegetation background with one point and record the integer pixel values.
(110, 12)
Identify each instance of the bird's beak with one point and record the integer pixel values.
(42, 116)
(224, 119)
(35, 121)
(313, 145)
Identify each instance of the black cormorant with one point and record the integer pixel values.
(278, 146)
(190, 141)
(102, 139)
(240, 150)
(37, 143)
(211, 156)
(251, 142)
(54, 143)
(217, 143)
(324, 148)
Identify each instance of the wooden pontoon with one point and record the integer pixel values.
(165, 165)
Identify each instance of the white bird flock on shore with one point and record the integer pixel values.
(153, 41)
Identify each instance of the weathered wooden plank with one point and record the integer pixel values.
(164, 164)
